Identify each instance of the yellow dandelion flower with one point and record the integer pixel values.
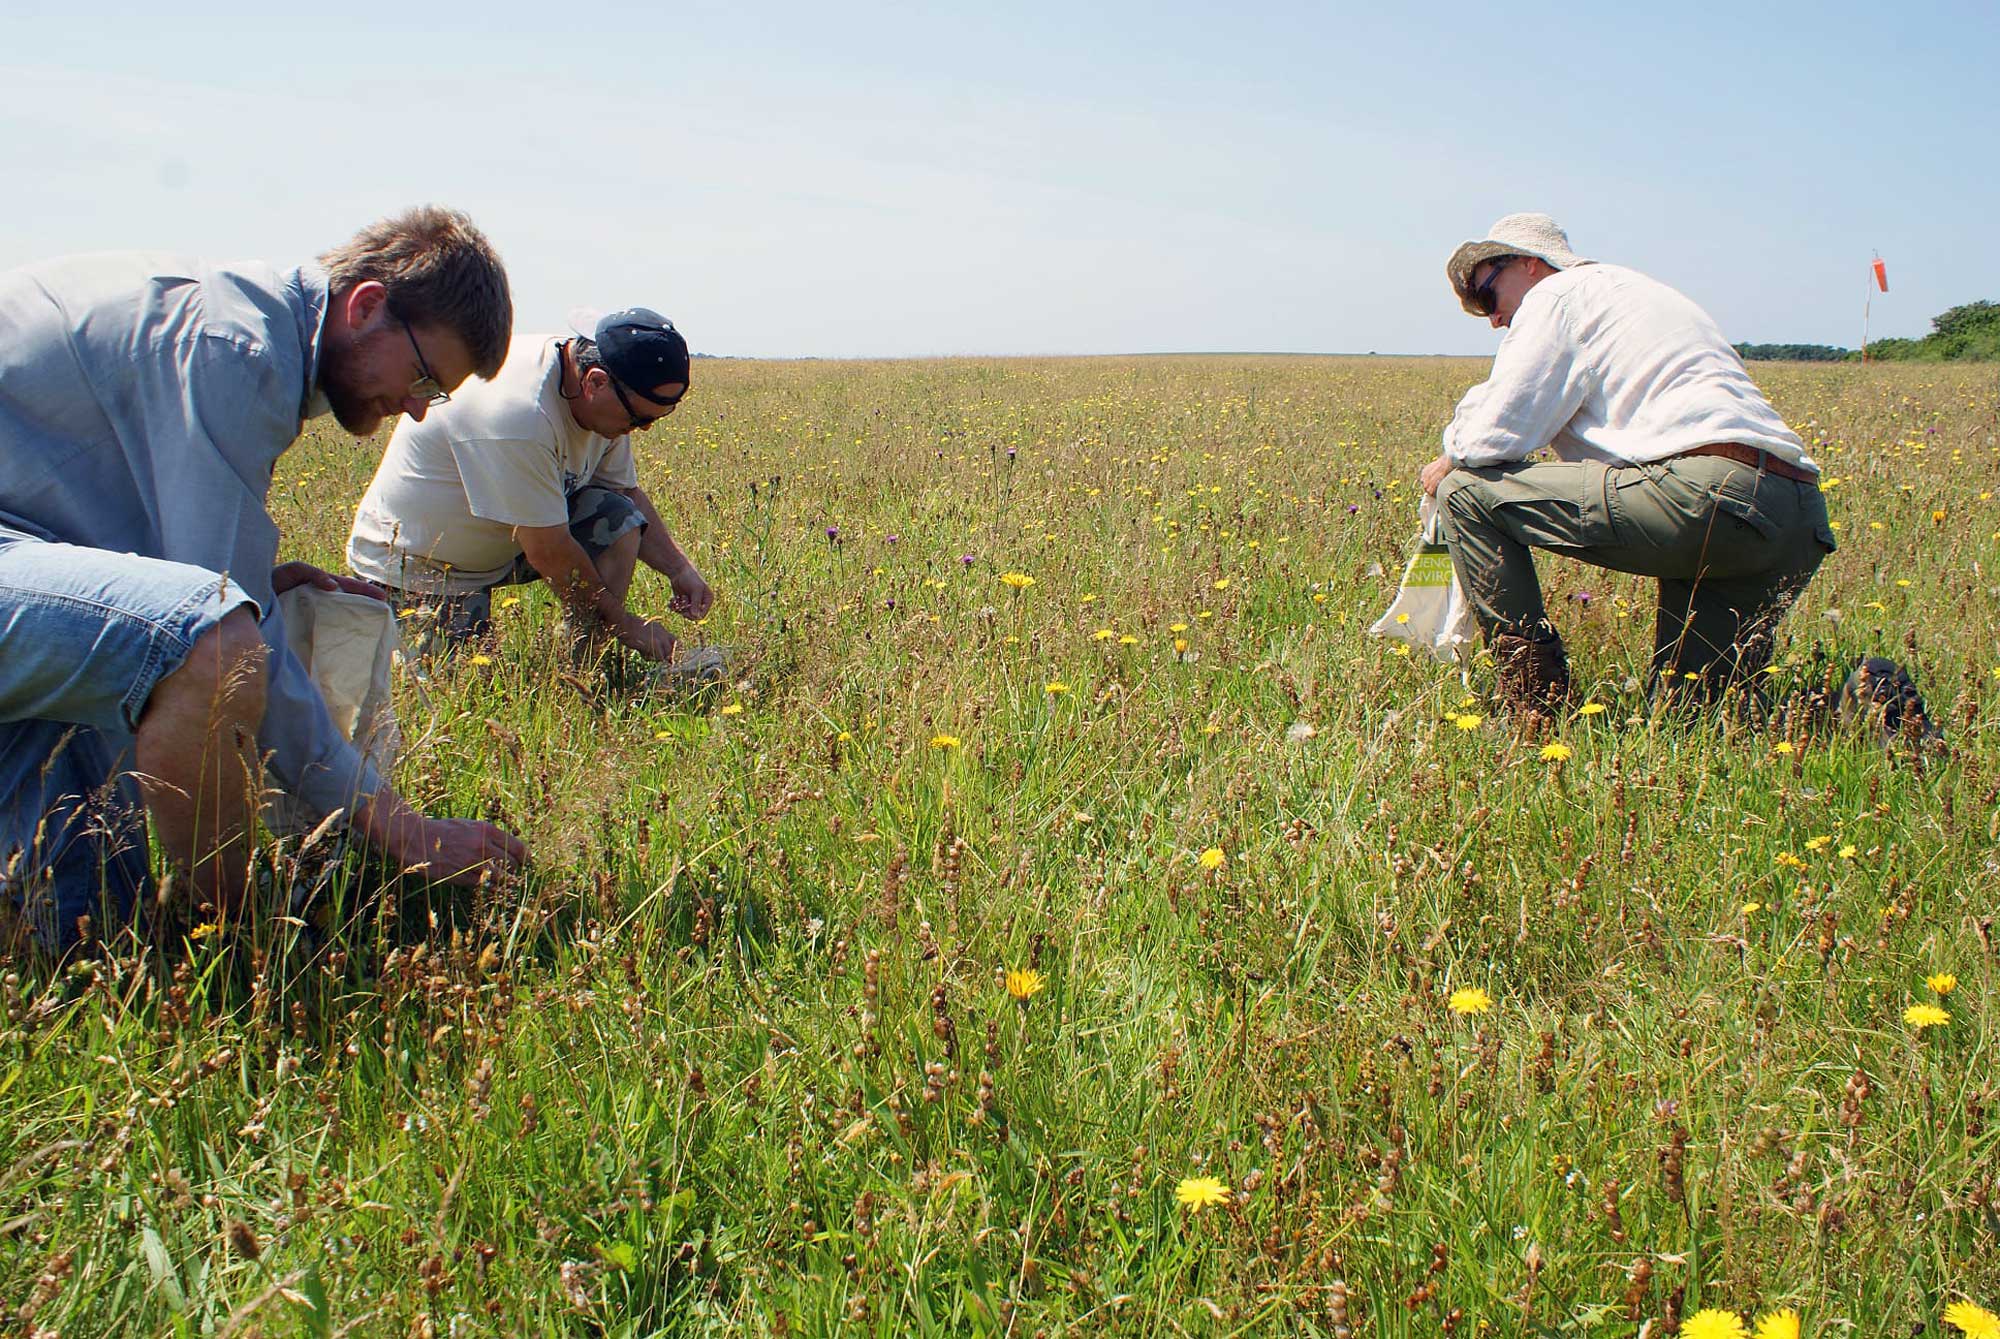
(1921, 1016)
(1212, 858)
(1025, 983)
(1319, 597)
(944, 741)
(1788, 860)
(1752, 908)
(1018, 580)
(1178, 628)
(1782, 747)
(1402, 649)
(1591, 709)
(1780, 1324)
(1402, 618)
(1849, 851)
(1710, 1323)
(480, 660)
(1211, 729)
(1943, 983)
(1180, 646)
(1556, 752)
(1467, 720)
(1222, 583)
(1055, 688)
(1470, 1000)
(1128, 640)
(733, 709)
(1973, 1320)
(1103, 635)
(208, 931)
(1818, 843)
(510, 602)
(1199, 1192)
(844, 737)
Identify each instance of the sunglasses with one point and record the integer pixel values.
(1482, 294)
(640, 420)
(427, 385)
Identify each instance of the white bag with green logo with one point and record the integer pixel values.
(1430, 610)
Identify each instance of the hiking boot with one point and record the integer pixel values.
(1531, 678)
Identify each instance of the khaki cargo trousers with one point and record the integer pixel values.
(1732, 547)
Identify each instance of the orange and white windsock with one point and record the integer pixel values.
(1881, 275)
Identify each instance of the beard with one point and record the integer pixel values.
(339, 380)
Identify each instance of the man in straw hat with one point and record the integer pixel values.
(1669, 463)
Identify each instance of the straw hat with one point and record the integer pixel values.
(1515, 235)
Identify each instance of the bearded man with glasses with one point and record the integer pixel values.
(532, 477)
(144, 667)
(1669, 463)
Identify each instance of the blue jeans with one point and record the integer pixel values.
(85, 636)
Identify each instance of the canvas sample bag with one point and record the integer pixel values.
(347, 644)
(1430, 610)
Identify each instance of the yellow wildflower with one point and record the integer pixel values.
(1943, 983)
(1198, 1192)
(944, 741)
(1973, 1320)
(1921, 1016)
(1055, 688)
(1103, 635)
(1556, 752)
(1780, 1324)
(733, 709)
(1018, 580)
(1128, 640)
(1710, 1323)
(1470, 1000)
(480, 660)
(1591, 709)
(1467, 720)
(1025, 983)
(1212, 858)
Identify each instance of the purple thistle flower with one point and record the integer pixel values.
(967, 559)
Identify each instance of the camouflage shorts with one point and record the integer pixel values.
(598, 518)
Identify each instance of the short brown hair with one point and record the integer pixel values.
(439, 270)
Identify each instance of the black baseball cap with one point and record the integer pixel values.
(642, 349)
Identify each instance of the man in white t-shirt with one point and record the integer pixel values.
(1670, 463)
(530, 476)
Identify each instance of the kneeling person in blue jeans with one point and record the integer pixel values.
(1670, 464)
(143, 666)
(531, 476)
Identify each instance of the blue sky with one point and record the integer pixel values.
(902, 179)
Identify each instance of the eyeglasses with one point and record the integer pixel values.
(640, 420)
(1482, 294)
(426, 385)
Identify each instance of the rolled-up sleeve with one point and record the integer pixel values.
(225, 419)
(1537, 385)
(307, 755)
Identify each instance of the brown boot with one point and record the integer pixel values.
(1532, 677)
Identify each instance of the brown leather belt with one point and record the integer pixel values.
(1756, 459)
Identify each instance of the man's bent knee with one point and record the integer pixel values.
(223, 675)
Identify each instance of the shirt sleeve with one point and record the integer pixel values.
(512, 481)
(617, 469)
(1537, 385)
(214, 438)
(308, 756)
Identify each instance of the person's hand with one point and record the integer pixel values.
(460, 850)
(1433, 474)
(692, 597)
(450, 850)
(287, 575)
(652, 641)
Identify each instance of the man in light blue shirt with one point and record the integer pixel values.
(144, 401)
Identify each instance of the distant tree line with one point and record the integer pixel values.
(1969, 332)
(1792, 353)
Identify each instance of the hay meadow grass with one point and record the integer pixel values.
(1336, 1007)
